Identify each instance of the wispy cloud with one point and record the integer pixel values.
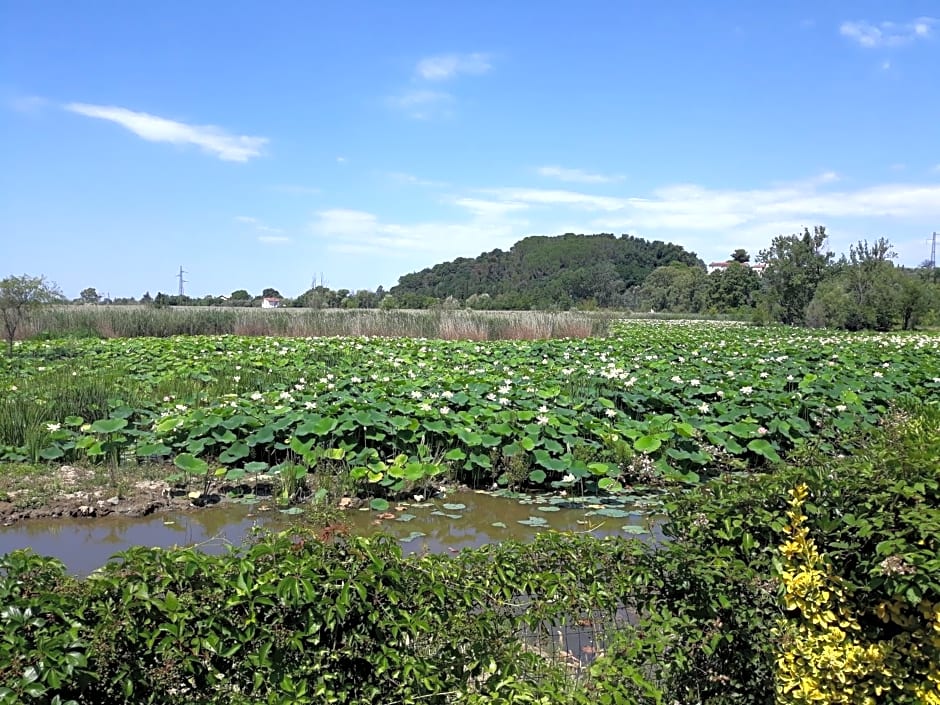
(212, 139)
(489, 209)
(575, 175)
(558, 197)
(402, 177)
(887, 34)
(699, 208)
(706, 220)
(446, 66)
(269, 236)
(423, 104)
(360, 232)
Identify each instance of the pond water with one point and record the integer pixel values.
(458, 521)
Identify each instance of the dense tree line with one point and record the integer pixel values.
(795, 281)
(545, 273)
(800, 282)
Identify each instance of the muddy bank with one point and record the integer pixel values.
(139, 502)
(75, 492)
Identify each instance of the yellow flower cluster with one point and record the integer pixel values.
(826, 657)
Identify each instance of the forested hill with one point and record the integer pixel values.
(545, 272)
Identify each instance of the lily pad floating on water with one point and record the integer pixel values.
(610, 512)
(379, 505)
(412, 536)
(510, 494)
(634, 529)
(498, 525)
(445, 514)
(549, 508)
(534, 521)
(405, 517)
(292, 511)
(454, 507)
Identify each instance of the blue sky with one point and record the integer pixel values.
(262, 144)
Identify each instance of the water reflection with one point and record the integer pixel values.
(86, 544)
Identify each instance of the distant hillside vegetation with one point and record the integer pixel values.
(545, 272)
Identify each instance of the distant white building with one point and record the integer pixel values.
(721, 266)
(270, 302)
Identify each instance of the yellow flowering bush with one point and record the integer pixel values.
(832, 651)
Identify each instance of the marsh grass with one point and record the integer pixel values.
(56, 395)
(143, 321)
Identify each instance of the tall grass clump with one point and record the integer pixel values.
(144, 321)
(58, 395)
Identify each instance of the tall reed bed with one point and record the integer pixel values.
(142, 321)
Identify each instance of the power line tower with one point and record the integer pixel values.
(182, 281)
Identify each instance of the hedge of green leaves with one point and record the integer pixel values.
(296, 619)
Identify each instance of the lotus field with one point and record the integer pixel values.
(653, 402)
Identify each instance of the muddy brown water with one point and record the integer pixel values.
(437, 525)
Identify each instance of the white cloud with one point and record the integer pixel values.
(271, 235)
(215, 140)
(341, 160)
(446, 66)
(360, 232)
(708, 221)
(488, 209)
(699, 208)
(575, 175)
(887, 34)
(423, 104)
(557, 197)
(412, 180)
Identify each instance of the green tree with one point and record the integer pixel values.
(89, 296)
(913, 298)
(733, 287)
(677, 288)
(270, 293)
(870, 282)
(796, 264)
(240, 295)
(20, 298)
(740, 256)
(866, 291)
